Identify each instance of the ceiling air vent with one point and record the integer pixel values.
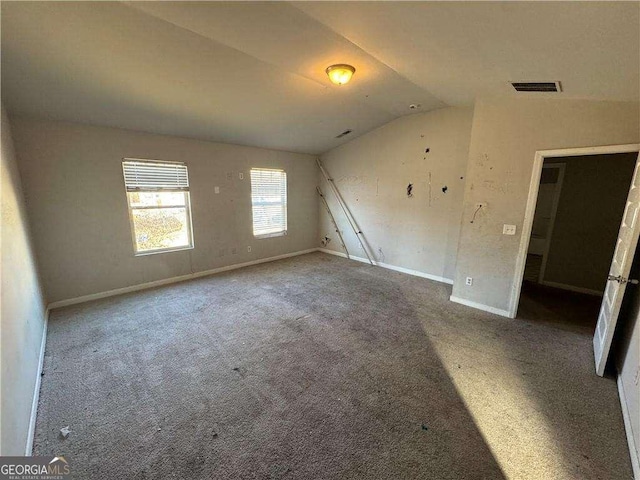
(346, 132)
(537, 86)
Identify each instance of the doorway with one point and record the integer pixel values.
(564, 233)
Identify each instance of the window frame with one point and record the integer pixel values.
(187, 206)
(281, 233)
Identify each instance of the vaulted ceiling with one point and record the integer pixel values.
(252, 73)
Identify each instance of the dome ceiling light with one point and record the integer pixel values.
(340, 73)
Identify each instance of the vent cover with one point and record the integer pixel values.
(346, 132)
(537, 86)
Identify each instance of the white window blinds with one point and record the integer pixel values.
(269, 202)
(149, 175)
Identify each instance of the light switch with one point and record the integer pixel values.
(216, 189)
(508, 229)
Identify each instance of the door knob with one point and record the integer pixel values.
(620, 279)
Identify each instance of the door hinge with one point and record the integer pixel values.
(620, 279)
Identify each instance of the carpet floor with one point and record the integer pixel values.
(317, 367)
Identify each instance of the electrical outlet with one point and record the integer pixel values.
(469, 281)
(216, 189)
(249, 249)
(508, 229)
(241, 176)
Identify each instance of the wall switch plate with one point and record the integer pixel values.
(469, 281)
(249, 249)
(508, 229)
(216, 189)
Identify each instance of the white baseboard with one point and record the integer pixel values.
(626, 415)
(481, 306)
(36, 390)
(408, 271)
(571, 288)
(343, 255)
(417, 273)
(167, 281)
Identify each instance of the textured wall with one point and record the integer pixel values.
(372, 173)
(504, 138)
(627, 356)
(22, 307)
(629, 367)
(78, 210)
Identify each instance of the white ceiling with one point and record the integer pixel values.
(253, 73)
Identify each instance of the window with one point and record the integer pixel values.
(269, 202)
(158, 198)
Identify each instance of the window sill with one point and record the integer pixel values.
(164, 250)
(270, 235)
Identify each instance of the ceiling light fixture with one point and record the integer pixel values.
(340, 73)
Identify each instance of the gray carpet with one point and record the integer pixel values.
(317, 367)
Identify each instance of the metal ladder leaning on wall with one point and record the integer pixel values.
(333, 220)
(347, 212)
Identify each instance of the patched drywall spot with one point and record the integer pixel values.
(381, 256)
(483, 160)
(494, 187)
(353, 180)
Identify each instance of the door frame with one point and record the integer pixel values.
(532, 199)
(554, 211)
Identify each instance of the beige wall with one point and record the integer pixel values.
(627, 357)
(592, 200)
(372, 173)
(77, 207)
(628, 371)
(22, 308)
(504, 138)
